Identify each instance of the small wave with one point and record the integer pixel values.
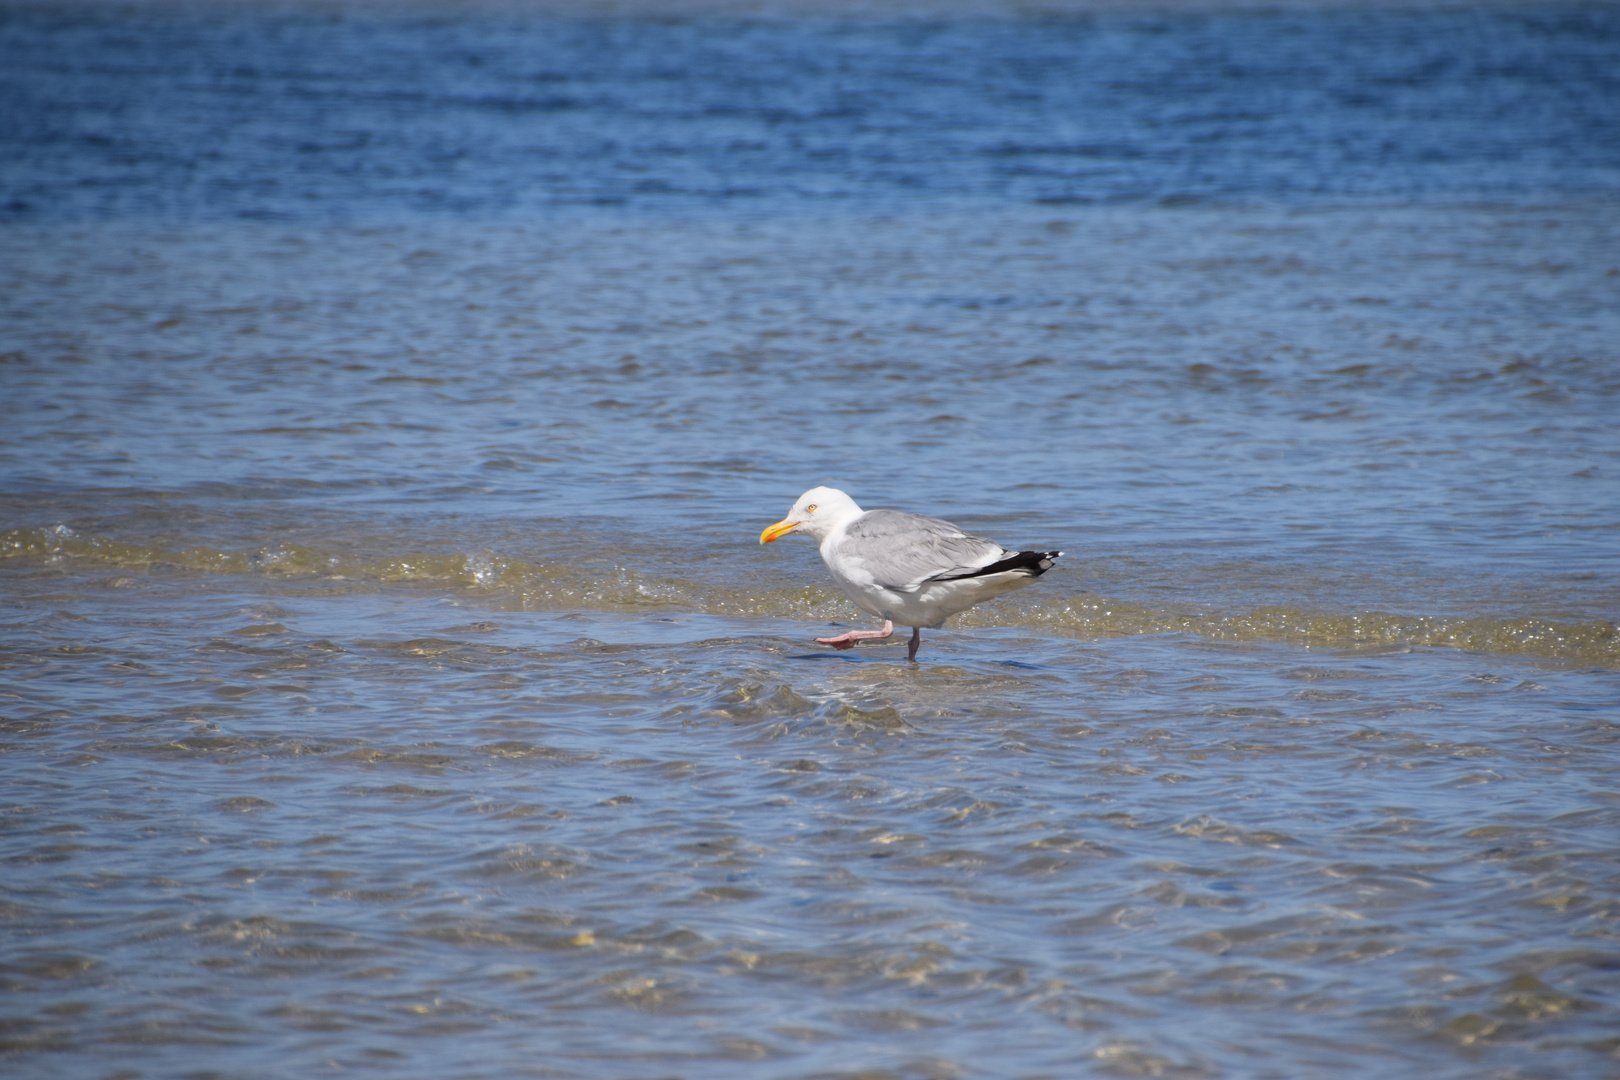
(1586, 642)
(555, 586)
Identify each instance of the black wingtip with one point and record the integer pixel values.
(1033, 563)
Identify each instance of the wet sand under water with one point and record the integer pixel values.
(409, 833)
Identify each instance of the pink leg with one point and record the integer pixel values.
(847, 641)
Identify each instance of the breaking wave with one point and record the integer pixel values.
(534, 585)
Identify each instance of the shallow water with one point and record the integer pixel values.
(393, 682)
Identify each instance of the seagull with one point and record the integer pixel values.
(906, 568)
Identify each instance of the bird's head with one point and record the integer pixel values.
(818, 512)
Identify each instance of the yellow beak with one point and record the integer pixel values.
(781, 528)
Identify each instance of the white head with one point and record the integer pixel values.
(818, 512)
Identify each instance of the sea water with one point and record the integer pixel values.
(390, 403)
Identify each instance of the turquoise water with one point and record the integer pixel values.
(393, 681)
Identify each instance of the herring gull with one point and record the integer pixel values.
(904, 568)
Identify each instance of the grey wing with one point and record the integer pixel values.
(901, 551)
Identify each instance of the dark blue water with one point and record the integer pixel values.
(353, 115)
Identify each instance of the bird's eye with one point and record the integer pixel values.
(810, 509)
